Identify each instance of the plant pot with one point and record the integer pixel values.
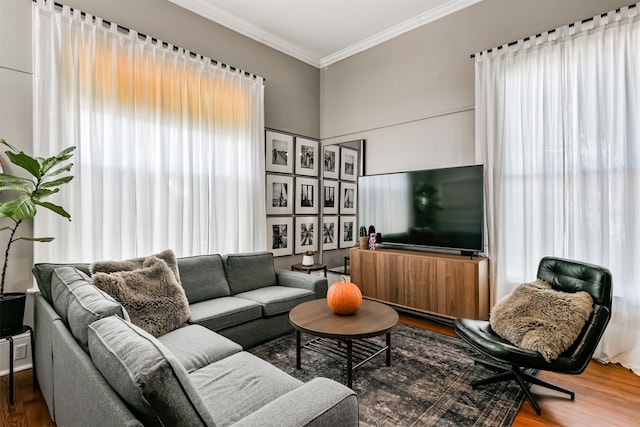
(307, 260)
(364, 242)
(11, 312)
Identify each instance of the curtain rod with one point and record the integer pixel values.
(584, 21)
(155, 40)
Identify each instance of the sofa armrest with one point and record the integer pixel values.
(295, 279)
(320, 402)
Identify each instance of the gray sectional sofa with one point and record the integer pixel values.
(95, 367)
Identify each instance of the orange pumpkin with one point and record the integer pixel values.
(344, 297)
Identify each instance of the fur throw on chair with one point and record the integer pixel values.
(537, 317)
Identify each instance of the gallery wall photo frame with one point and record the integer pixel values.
(279, 194)
(349, 169)
(347, 231)
(331, 162)
(348, 198)
(279, 152)
(307, 157)
(306, 234)
(306, 198)
(329, 233)
(330, 197)
(280, 235)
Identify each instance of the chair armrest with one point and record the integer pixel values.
(311, 282)
(320, 402)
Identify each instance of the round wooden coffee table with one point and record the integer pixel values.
(333, 331)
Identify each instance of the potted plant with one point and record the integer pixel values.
(307, 259)
(20, 198)
(363, 238)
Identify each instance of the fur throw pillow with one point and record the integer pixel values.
(167, 256)
(152, 296)
(537, 317)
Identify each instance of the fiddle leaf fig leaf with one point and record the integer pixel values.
(55, 208)
(26, 162)
(20, 209)
(37, 239)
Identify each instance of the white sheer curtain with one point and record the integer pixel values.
(170, 147)
(556, 127)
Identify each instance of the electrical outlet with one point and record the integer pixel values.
(20, 352)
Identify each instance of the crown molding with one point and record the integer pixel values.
(215, 14)
(219, 16)
(408, 25)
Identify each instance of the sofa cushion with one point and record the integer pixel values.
(196, 346)
(79, 303)
(43, 273)
(220, 313)
(278, 299)
(246, 272)
(136, 263)
(203, 277)
(146, 375)
(151, 295)
(239, 385)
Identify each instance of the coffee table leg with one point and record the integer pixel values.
(298, 364)
(388, 348)
(349, 363)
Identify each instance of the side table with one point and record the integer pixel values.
(310, 268)
(9, 338)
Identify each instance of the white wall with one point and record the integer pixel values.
(412, 97)
(16, 129)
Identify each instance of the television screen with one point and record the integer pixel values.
(436, 208)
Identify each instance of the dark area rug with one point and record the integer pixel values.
(428, 383)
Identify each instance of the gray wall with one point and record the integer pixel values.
(412, 98)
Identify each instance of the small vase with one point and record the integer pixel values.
(307, 260)
(364, 242)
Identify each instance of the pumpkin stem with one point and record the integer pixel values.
(344, 279)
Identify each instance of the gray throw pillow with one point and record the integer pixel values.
(79, 303)
(146, 375)
(537, 317)
(151, 295)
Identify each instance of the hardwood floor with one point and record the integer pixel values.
(606, 395)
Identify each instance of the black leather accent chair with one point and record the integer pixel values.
(564, 275)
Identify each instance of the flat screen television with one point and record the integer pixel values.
(435, 209)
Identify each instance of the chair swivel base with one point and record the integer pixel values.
(522, 378)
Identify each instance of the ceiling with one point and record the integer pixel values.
(321, 32)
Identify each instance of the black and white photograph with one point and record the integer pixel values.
(306, 234)
(329, 233)
(307, 157)
(348, 195)
(348, 231)
(348, 164)
(279, 195)
(279, 152)
(307, 196)
(330, 197)
(279, 235)
(331, 164)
